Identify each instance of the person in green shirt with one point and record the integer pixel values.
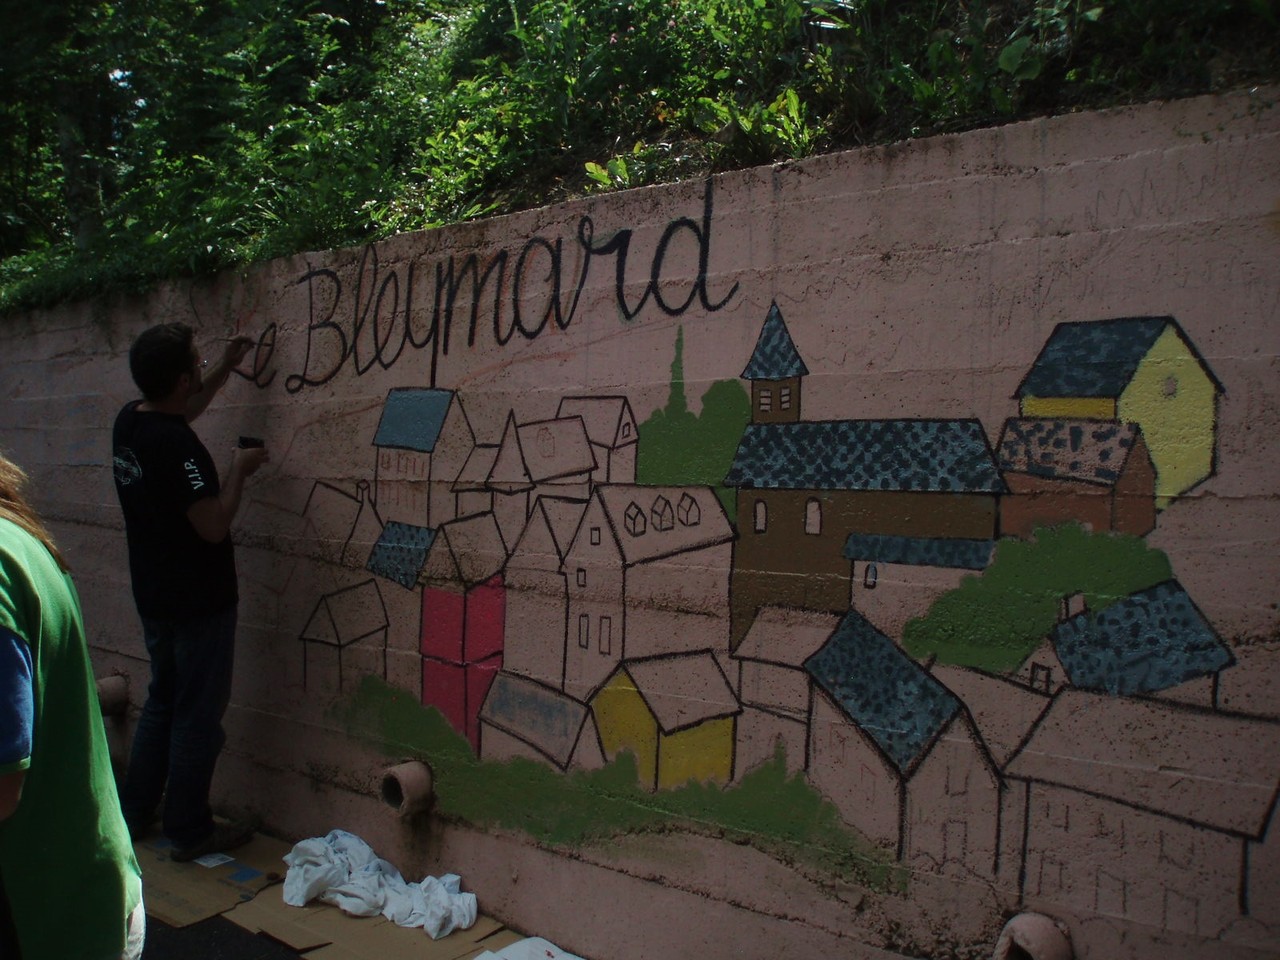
(67, 869)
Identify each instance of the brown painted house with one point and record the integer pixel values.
(805, 487)
(1094, 472)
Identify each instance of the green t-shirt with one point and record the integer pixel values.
(68, 864)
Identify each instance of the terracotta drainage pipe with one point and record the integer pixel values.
(1033, 936)
(113, 695)
(408, 787)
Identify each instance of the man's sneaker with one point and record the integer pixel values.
(225, 836)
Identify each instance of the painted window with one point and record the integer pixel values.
(813, 516)
(761, 517)
(688, 511)
(869, 576)
(584, 631)
(1042, 677)
(582, 577)
(957, 780)
(664, 517)
(634, 519)
(1170, 388)
(784, 398)
(606, 635)
(626, 430)
(595, 536)
(546, 443)
(955, 841)
(766, 400)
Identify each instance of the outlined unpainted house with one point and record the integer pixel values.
(1151, 813)
(773, 686)
(675, 713)
(538, 593)
(613, 434)
(1142, 370)
(804, 487)
(1095, 472)
(543, 458)
(344, 639)
(422, 441)
(1154, 642)
(899, 754)
(648, 574)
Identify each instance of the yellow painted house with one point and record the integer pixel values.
(1141, 370)
(677, 714)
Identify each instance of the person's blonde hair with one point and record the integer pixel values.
(15, 507)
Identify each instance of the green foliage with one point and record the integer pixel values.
(768, 809)
(163, 138)
(680, 447)
(994, 621)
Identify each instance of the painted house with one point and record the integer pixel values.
(1151, 814)
(1097, 473)
(523, 718)
(675, 714)
(545, 458)
(894, 579)
(538, 594)
(898, 754)
(1142, 370)
(773, 687)
(463, 619)
(344, 639)
(647, 574)
(423, 440)
(803, 488)
(612, 432)
(1152, 642)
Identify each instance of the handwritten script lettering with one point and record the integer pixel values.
(371, 323)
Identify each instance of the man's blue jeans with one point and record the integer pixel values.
(179, 734)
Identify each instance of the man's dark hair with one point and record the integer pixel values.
(159, 357)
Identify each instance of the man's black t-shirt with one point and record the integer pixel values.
(161, 468)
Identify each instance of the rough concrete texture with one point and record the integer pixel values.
(708, 475)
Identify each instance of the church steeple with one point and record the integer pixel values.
(775, 369)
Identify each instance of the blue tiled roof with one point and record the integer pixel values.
(890, 697)
(775, 356)
(1147, 642)
(400, 552)
(412, 418)
(922, 455)
(1097, 358)
(920, 551)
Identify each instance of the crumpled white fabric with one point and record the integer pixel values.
(343, 870)
(531, 948)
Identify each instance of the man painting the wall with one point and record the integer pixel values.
(178, 519)
(69, 883)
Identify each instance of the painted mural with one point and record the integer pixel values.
(572, 617)
(784, 545)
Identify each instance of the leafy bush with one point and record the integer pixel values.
(995, 620)
(164, 138)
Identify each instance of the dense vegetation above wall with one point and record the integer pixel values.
(165, 138)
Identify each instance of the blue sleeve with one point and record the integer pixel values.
(17, 704)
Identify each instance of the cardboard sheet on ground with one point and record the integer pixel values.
(181, 894)
(323, 932)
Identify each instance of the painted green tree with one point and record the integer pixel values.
(678, 446)
(995, 621)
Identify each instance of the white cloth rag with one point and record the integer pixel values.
(343, 870)
(531, 948)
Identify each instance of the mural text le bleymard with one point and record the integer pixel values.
(380, 320)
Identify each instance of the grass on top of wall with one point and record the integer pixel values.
(780, 815)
